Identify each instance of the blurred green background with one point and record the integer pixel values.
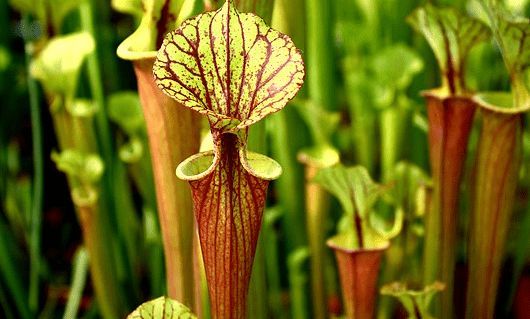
(371, 69)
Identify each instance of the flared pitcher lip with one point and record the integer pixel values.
(320, 156)
(481, 99)
(331, 244)
(249, 160)
(125, 52)
(442, 94)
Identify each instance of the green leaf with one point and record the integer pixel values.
(5, 58)
(58, 64)
(133, 7)
(132, 151)
(358, 194)
(126, 111)
(47, 11)
(159, 17)
(353, 187)
(513, 37)
(83, 171)
(410, 181)
(319, 156)
(321, 122)
(162, 308)
(451, 36)
(512, 34)
(395, 66)
(87, 168)
(82, 108)
(349, 240)
(416, 302)
(229, 66)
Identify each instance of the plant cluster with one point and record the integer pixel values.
(264, 159)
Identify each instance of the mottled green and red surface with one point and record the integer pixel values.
(236, 70)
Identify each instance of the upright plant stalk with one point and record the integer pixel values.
(248, 72)
(450, 122)
(173, 134)
(395, 67)
(117, 197)
(289, 19)
(298, 282)
(321, 95)
(76, 135)
(411, 196)
(79, 275)
(450, 112)
(317, 207)
(84, 172)
(320, 156)
(13, 283)
(498, 163)
(38, 183)
(270, 237)
(320, 68)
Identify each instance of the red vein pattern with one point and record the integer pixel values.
(228, 205)
(230, 66)
(450, 123)
(499, 155)
(358, 271)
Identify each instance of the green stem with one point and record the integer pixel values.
(317, 206)
(38, 183)
(391, 129)
(96, 87)
(363, 127)
(96, 236)
(320, 55)
(154, 251)
(78, 284)
(258, 287)
(298, 282)
(270, 236)
(120, 202)
(6, 306)
(257, 300)
(283, 127)
(11, 275)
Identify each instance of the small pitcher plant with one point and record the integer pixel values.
(498, 162)
(361, 241)
(450, 110)
(415, 302)
(236, 70)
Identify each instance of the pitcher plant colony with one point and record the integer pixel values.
(264, 159)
